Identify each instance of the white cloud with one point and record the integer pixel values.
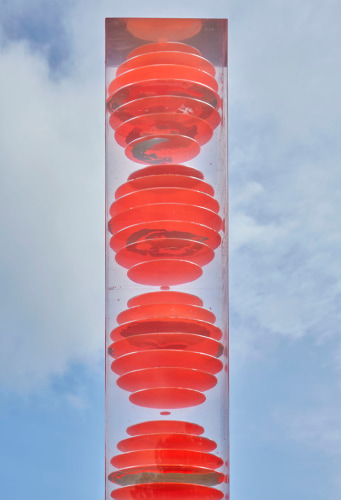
(51, 255)
(284, 168)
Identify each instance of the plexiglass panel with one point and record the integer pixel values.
(167, 406)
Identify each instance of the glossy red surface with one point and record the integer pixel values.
(180, 325)
(170, 397)
(166, 358)
(165, 212)
(180, 341)
(167, 57)
(159, 72)
(152, 378)
(165, 349)
(156, 125)
(152, 251)
(165, 229)
(168, 474)
(163, 272)
(167, 491)
(162, 87)
(150, 196)
(174, 426)
(164, 180)
(165, 310)
(170, 169)
(164, 29)
(167, 440)
(165, 298)
(164, 104)
(163, 46)
(167, 453)
(167, 457)
(162, 148)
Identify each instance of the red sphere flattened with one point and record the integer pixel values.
(171, 398)
(165, 104)
(165, 298)
(151, 378)
(162, 46)
(165, 180)
(167, 491)
(167, 457)
(156, 124)
(152, 251)
(165, 229)
(166, 358)
(177, 426)
(168, 169)
(165, 212)
(167, 440)
(162, 148)
(164, 195)
(179, 341)
(161, 272)
(167, 57)
(171, 30)
(162, 87)
(163, 72)
(165, 310)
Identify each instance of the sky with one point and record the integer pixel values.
(285, 283)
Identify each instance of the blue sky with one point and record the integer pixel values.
(285, 169)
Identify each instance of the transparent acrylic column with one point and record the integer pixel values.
(167, 407)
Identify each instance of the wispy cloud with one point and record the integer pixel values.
(51, 254)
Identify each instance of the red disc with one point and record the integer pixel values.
(166, 169)
(168, 474)
(164, 249)
(164, 30)
(165, 180)
(165, 212)
(166, 358)
(164, 195)
(165, 104)
(163, 72)
(167, 440)
(156, 124)
(162, 87)
(179, 341)
(165, 298)
(162, 46)
(167, 57)
(165, 426)
(165, 229)
(162, 148)
(160, 272)
(151, 378)
(168, 325)
(165, 310)
(167, 491)
(171, 398)
(167, 457)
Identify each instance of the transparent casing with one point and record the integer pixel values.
(167, 388)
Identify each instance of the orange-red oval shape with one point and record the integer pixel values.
(167, 491)
(166, 358)
(168, 441)
(151, 378)
(178, 341)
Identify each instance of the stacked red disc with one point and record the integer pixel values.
(165, 225)
(163, 460)
(166, 350)
(163, 103)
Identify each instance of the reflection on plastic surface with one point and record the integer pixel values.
(165, 225)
